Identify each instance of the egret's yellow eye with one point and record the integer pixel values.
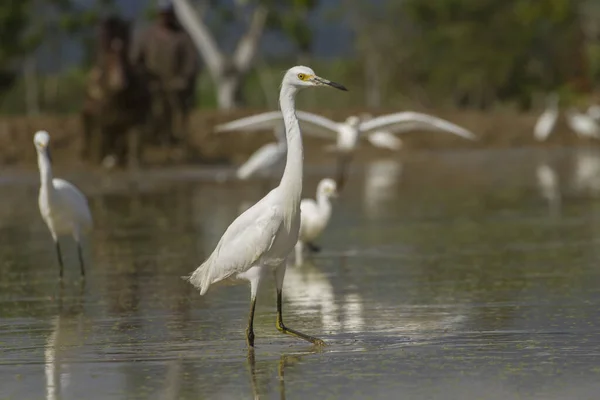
(301, 77)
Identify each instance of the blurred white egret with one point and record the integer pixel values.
(267, 160)
(582, 124)
(261, 239)
(351, 130)
(63, 207)
(547, 121)
(549, 185)
(314, 217)
(594, 111)
(348, 132)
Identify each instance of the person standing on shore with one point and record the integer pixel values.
(167, 57)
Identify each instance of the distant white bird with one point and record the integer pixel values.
(594, 111)
(547, 121)
(347, 133)
(260, 239)
(63, 207)
(350, 131)
(314, 217)
(582, 124)
(267, 160)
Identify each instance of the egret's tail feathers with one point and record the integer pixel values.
(200, 278)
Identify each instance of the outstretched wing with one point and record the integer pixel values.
(309, 123)
(395, 123)
(317, 125)
(242, 245)
(258, 122)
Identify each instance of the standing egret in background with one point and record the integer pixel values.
(63, 207)
(547, 121)
(582, 124)
(261, 239)
(314, 217)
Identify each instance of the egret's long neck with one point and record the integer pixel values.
(291, 181)
(45, 171)
(324, 204)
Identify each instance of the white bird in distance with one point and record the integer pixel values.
(379, 131)
(63, 207)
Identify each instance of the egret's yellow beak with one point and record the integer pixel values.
(321, 81)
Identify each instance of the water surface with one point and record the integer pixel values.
(448, 275)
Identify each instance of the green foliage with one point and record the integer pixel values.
(488, 50)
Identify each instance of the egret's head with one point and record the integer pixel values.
(353, 121)
(301, 77)
(41, 140)
(327, 187)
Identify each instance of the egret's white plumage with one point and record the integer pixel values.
(260, 239)
(63, 207)
(352, 129)
(594, 111)
(582, 124)
(314, 216)
(547, 121)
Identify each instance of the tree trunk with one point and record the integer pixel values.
(229, 92)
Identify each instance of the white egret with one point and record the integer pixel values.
(350, 131)
(314, 217)
(594, 111)
(261, 239)
(347, 133)
(63, 207)
(547, 121)
(582, 124)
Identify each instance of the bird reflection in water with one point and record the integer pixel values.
(381, 181)
(309, 291)
(66, 330)
(285, 360)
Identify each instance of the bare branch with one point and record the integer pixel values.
(200, 35)
(248, 44)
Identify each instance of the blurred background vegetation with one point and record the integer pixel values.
(468, 54)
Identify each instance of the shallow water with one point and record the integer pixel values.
(449, 275)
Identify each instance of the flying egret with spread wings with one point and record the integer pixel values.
(377, 130)
(260, 240)
(348, 133)
(63, 207)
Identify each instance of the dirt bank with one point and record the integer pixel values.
(496, 130)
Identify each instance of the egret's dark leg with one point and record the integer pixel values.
(252, 365)
(250, 328)
(343, 162)
(79, 253)
(279, 275)
(59, 255)
(313, 247)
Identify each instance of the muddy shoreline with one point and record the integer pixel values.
(505, 129)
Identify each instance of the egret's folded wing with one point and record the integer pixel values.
(394, 123)
(264, 121)
(242, 245)
(317, 125)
